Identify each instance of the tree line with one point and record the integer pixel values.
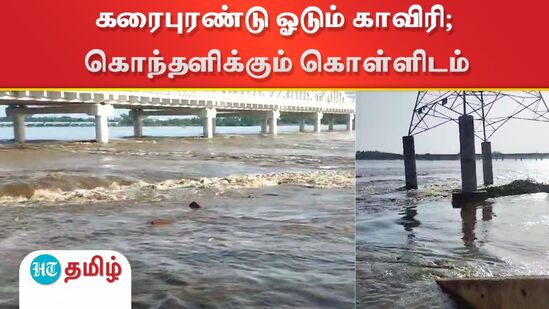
(126, 120)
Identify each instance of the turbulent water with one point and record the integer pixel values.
(406, 240)
(276, 226)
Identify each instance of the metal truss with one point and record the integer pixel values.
(490, 109)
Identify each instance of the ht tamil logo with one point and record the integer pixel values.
(45, 269)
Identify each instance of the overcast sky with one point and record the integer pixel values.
(384, 117)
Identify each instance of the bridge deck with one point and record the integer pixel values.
(285, 101)
(267, 105)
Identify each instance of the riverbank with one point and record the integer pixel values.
(378, 155)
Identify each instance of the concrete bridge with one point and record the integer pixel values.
(266, 105)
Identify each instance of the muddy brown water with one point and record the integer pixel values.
(275, 227)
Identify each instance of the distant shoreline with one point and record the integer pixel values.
(378, 155)
(115, 124)
(125, 121)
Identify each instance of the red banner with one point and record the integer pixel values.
(479, 44)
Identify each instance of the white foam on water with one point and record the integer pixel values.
(119, 192)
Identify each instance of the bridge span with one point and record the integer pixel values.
(208, 105)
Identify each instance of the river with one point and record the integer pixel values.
(276, 226)
(406, 240)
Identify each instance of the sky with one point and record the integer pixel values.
(384, 117)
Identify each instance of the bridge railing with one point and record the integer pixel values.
(332, 100)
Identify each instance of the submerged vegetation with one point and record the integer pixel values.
(517, 187)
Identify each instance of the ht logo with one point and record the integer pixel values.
(45, 269)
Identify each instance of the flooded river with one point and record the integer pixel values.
(406, 240)
(276, 226)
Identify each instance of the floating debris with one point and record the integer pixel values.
(161, 221)
(194, 205)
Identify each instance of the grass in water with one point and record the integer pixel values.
(517, 187)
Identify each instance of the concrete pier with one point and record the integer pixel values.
(273, 122)
(469, 193)
(507, 292)
(350, 122)
(101, 113)
(467, 154)
(318, 122)
(17, 114)
(208, 118)
(409, 156)
(19, 128)
(302, 125)
(264, 125)
(137, 123)
(207, 127)
(101, 129)
(487, 170)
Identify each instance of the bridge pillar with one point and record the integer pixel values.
(265, 125)
(487, 171)
(273, 122)
(19, 128)
(208, 118)
(318, 122)
(17, 114)
(137, 122)
(351, 123)
(331, 124)
(467, 154)
(101, 129)
(302, 125)
(101, 113)
(409, 156)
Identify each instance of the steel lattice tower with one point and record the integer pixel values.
(490, 109)
(479, 114)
